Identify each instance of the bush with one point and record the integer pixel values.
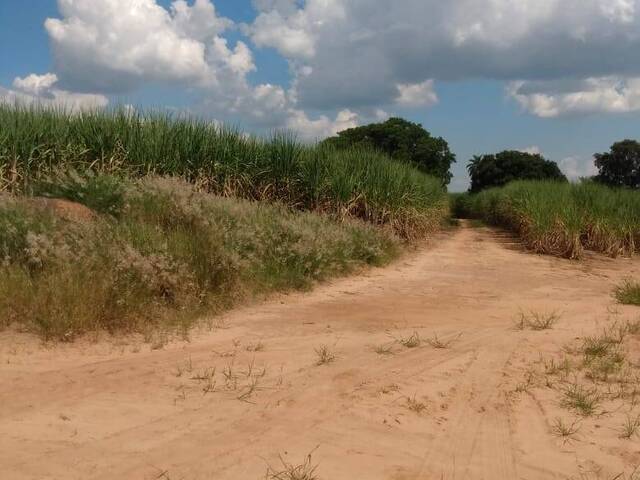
(172, 254)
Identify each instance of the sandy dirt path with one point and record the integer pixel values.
(232, 399)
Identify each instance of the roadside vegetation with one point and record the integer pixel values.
(350, 182)
(157, 253)
(560, 218)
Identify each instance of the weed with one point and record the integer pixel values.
(630, 427)
(287, 471)
(415, 405)
(384, 349)
(412, 341)
(435, 342)
(581, 399)
(564, 430)
(325, 355)
(628, 293)
(255, 347)
(537, 320)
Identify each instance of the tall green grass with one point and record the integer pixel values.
(35, 142)
(561, 219)
(170, 255)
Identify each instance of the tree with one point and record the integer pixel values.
(620, 167)
(404, 141)
(488, 171)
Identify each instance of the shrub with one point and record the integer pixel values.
(172, 254)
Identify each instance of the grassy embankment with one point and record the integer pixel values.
(560, 219)
(156, 253)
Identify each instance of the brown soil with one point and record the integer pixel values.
(131, 410)
(66, 209)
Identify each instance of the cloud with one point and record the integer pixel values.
(577, 167)
(323, 126)
(116, 46)
(593, 95)
(417, 94)
(42, 90)
(533, 150)
(357, 53)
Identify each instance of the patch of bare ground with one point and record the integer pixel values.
(410, 372)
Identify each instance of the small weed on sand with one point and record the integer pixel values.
(630, 427)
(416, 405)
(582, 399)
(537, 320)
(628, 293)
(565, 431)
(412, 341)
(287, 471)
(325, 355)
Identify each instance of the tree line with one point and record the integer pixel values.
(410, 142)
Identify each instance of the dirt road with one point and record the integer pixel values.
(227, 403)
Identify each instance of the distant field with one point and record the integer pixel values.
(560, 219)
(352, 183)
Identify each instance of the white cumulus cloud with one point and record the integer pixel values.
(42, 90)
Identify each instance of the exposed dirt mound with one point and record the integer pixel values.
(66, 209)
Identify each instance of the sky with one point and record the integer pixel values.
(556, 77)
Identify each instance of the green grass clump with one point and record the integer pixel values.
(172, 253)
(628, 293)
(561, 219)
(362, 183)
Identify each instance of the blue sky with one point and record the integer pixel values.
(516, 77)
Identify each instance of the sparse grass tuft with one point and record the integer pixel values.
(412, 341)
(287, 471)
(564, 430)
(583, 400)
(325, 355)
(628, 293)
(537, 320)
(415, 405)
(630, 427)
(384, 349)
(435, 342)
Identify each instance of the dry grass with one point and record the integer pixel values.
(170, 256)
(415, 405)
(537, 320)
(566, 431)
(325, 355)
(288, 471)
(412, 341)
(630, 427)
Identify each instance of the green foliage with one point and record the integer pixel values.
(561, 218)
(620, 167)
(628, 293)
(402, 140)
(497, 170)
(102, 193)
(172, 254)
(36, 144)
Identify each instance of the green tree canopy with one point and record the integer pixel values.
(402, 140)
(620, 167)
(496, 170)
